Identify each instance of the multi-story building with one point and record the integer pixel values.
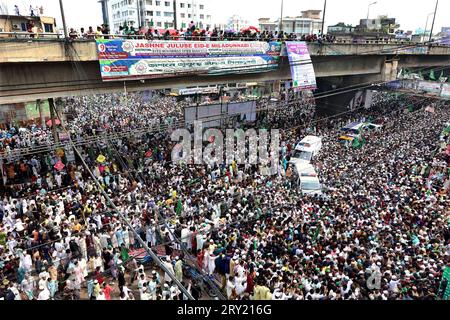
(237, 23)
(167, 14)
(36, 24)
(340, 28)
(266, 25)
(382, 24)
(309, 22)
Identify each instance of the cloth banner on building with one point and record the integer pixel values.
(140, 59)
(429, 86)
(302, 70)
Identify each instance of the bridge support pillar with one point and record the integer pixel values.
(390, 70)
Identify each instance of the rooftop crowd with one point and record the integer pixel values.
(384, 214)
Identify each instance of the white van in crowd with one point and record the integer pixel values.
(307, 179)
(306, 149)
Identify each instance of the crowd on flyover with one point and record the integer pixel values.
(192, 32)
(384, 215)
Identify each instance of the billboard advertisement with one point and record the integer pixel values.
(141, 59)
(302, 70)
(428, 86)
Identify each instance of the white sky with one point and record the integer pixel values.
(410, 14)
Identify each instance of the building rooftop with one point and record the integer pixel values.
(10, 16)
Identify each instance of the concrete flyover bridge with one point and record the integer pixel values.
(32, 69)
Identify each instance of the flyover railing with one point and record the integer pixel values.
(44, 36)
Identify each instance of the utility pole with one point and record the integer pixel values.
(434, 18)
(323, 17)
(41, 113)
(281, 16)
(63, 18)
(105, 11)
(368, 9)
(138, 7)
(175, 24)
(51, 104)
(426, 25)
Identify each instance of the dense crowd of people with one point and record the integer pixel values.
(380, 232)
(195, 33)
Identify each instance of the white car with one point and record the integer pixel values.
(306, 149)
(307, 178)
(310, 184)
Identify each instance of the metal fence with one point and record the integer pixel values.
(30, 36)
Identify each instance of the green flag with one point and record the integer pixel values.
(420, 75)
(179, 207)
(432, 76)
(444, 287)
(316, 234)
(356, 144)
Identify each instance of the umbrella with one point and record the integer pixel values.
(49, 122)
(171, 31)
(59, 165)
(251, 28)
(101, 158)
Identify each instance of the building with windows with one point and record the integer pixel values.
(340, 28)
(382, 24)
(266, 25)
(237, 23)
(36, 24)
(310, 22)
(159, 14)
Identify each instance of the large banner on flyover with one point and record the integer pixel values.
(302, 70)
(429, 86)
(141, 59)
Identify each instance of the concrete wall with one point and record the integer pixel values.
(42, 50)
(44, 69)
(22, 81)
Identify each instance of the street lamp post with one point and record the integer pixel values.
(323, 17)
(434, 18)
(426, 25)
(368, 8)
(281, 17)
(63, 17)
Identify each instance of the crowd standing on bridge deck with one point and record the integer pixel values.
(194, 33)
(385, 210)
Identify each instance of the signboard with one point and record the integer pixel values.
(140, 59)
(192, 91)
(429, 86)
(211, 114)
(445, 92)
(302, 69)
(32, 109)
(70, 154)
